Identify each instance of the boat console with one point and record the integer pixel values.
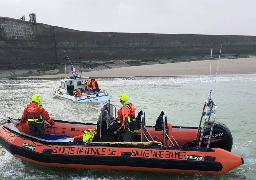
(109, 130)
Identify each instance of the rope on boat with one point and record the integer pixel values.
(68, 60)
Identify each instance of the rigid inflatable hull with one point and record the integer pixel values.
(118, 156)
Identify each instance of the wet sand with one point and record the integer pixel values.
(226, 66)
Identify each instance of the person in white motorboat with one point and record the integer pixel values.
(95, 85)
(88, 85)
(92, 85)
(77, 92)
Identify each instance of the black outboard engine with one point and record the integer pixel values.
(221, 137)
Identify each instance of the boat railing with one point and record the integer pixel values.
(146, 136)
(165, 133)
(144, 132)
(209, 108)
(131, 143)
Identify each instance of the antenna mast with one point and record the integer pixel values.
(66, 62)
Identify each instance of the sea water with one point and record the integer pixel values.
(182, 98)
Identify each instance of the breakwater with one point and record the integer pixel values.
(24, 42)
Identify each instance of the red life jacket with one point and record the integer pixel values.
(88, 84)
(119, 115)
(77, 93)
(33, 111)
(95, 85)
(132, 110)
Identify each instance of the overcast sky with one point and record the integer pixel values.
(217, 17)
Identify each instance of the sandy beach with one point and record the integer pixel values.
(225, 66)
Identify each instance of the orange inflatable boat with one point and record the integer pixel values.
(164, 148)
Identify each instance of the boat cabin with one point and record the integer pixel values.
(71, 84)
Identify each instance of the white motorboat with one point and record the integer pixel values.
(68, 86)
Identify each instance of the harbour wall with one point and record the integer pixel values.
(23, 42)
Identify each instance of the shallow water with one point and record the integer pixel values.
(182, 98)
